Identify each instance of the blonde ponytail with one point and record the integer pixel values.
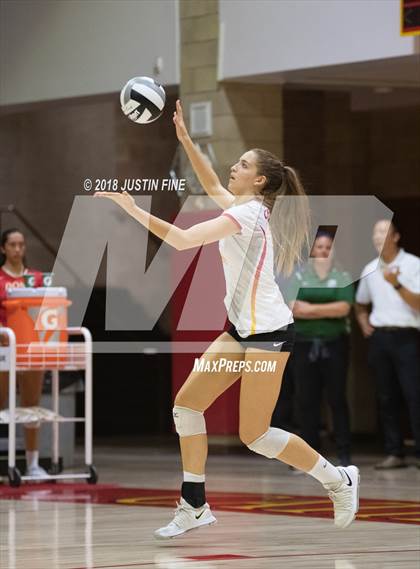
(285, 196)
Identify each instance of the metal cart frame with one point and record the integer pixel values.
(54, 356)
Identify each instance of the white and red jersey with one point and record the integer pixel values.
(8, 282)
(253, 299)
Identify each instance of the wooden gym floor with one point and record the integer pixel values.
(267, 517)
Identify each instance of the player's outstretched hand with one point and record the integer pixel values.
(123, 199)
(181, 129)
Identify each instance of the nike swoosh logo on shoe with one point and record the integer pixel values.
(199, 516)
(348, 478)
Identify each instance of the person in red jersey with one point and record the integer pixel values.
(12, 270)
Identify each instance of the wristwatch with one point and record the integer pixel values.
(398, 286)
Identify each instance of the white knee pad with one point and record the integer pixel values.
(271, 443)
(188, 422)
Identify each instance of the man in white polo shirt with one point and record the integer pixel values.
(391, 285)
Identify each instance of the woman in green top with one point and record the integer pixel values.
(321, 353)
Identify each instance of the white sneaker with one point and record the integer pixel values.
(186, 518)
(345, 496)
(36, 472)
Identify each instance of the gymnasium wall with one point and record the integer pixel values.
(51, 49)
(267, 37)
(354, 153)
(48, 150)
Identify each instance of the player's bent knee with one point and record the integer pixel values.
(248, 432)
(271, 443)
(188, 422)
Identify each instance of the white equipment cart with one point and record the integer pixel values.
(54, 356)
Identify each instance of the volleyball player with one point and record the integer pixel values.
(256, 214)
(12, 270)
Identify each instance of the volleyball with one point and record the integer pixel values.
(142, 100)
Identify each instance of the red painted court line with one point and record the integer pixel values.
(227, 557)
(391, 511)
(222, 557)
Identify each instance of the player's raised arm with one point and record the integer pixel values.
(195, 236)
(205, 173)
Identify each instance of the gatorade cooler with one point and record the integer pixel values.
(38, 317)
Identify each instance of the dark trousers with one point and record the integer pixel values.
(318, 365)
(283, 414)
(394, 358)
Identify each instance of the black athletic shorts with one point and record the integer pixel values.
(280, 340)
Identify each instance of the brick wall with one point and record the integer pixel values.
(343, 152)
(340, 152)
(48, 150)
(244, 115)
